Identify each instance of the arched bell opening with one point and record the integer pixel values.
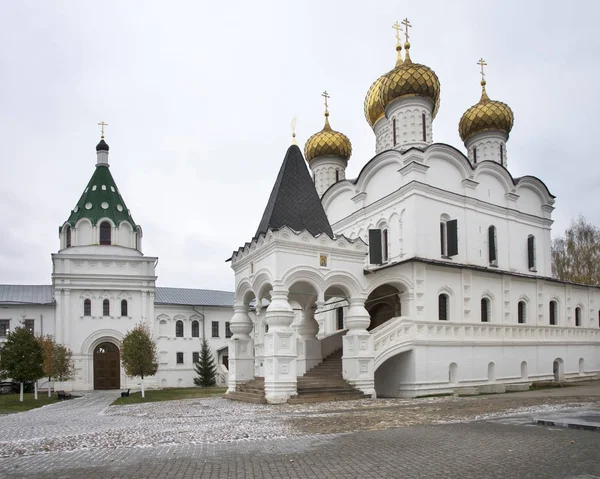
(383, 304)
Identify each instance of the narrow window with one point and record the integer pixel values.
(87, 307)
(337, 175)
(124, 307)
(553, 313)
(475, 154)
(452, 237)
(598, 319)
(179, 329)
(195, 329)
(501, 154)
(531, 252)
(195, 357)
(485, 310)
(4, 327)
(522, 312)
(179, 358)
(215, 329)
(424, 127)
(443, 240)
(340, 318)
(578, 316)
(492, 248)
(443, 307)
(227, 330)
(384, 245)
(68, 236)
(266, 328)
(29, 325)
(106, 307)
(394, 130)
(105, 232)
(375, 252)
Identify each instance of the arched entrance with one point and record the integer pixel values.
(383, 304)
(107, 367)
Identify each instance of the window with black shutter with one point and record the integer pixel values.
(452, 235)
(531, 252)
(105, 233)
(553, 313)
(87, 307)
(375, 253)
(443, 307)
(485, 310)
(522, 312)
(492, 247)
(340, 318)
(384, 246)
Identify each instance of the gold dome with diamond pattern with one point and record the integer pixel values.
(327, 142)
(487, 115)
(373, 109)
(411, 79)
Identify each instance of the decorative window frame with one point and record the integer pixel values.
(127, 297)
(87, 294)
(107, 295)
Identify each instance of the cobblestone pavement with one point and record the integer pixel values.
(87, 437)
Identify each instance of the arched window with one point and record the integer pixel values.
(105, 233)
(443, 307)
(195, 329)
(475, 155)
(337, 175)
(87, 307)
(577, 316)
(68, 236)
(531, 252)
(492, 246)
(179, 329)
(448, 236)
(106, 307)
(124, 307)
(485, 310)
(522, 312)
(266, 328)
(424, 126)
(553, 312)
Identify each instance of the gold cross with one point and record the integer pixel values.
(102, 124)
(482, 63)
(396, 26)
(294, 130)
(326, 96)
(406, 24)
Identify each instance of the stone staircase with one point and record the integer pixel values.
(322, 383)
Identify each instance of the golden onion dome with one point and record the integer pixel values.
(327, 142)
(373, 109)
(410, 79)
(487, 115)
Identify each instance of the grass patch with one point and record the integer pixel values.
(156, 395)
(10, 403)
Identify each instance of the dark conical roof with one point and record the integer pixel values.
(294, 201)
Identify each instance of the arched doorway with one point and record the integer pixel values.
(558, 370)
(383, 304)
(107, 367)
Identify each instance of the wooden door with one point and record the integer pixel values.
(107, 367)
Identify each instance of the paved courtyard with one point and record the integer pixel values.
(488, 436)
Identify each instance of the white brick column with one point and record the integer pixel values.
(358, 359)
(241, 348)
(280, 349)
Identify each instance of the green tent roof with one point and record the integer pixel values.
(101, 199)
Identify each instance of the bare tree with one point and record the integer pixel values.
(576, 256)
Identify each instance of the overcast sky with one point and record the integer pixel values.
(199, 97)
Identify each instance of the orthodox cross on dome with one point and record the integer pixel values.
(396, 26)
(407, 25)
(482, 64)
(326, 96)
(102, 125)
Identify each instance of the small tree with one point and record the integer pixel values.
(576, 257)
(64, 369)
(205, 368)
(21, 357)
(48, 344)
(138, 353)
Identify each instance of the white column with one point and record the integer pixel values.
(66, 318)
(280, 349)
(241, 348)
(309, 347)
(58, 327)
(358, 359)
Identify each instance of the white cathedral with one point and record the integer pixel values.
(428, 273)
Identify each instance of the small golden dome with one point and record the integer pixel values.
(327, 142)
(487, 115)
(373, 109)
(410, 79)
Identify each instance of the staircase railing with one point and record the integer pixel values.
(393, 337)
